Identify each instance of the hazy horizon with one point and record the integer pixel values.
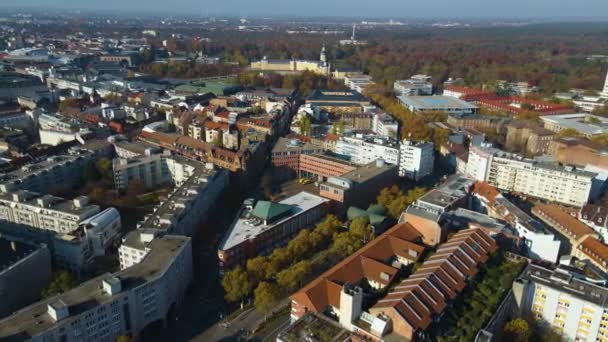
(491, 9)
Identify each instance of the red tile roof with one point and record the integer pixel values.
(370, 262)
(595, 250)
(426, 293)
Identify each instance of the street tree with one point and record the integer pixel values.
(266, 296)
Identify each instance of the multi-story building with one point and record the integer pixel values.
(437, 103)
(378, 262)
(528, 137)
(111, 305)
(364, 150)
(25, 270)
(184, 210)
(337, 101)
(596, 217)
(578, 151)
(416, 159)
(292, 65)
(356, 187)
(564, 184)
(76, 231)
(464, 93)
(13, 85)
(262, 226)
(322, 166)
(357, 121)
(570, 304)
(286, 153)
(358, 82)
(198, 150)
(408, 307)
(538, 242)
(584, 123)
(153, 170)
(427, 212)
(385, 125)
(413, 304)
(604, 93)
(54, 172)
(417, 85)
(478, 122)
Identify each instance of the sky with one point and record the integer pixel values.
(559, 9)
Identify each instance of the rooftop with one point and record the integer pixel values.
(373, 262)
(337, 96)
(314, 327)
(369, 171)
(584, 123)
(35, 318)
(564, 219)
(566, 282)
(254, 219)
(435, 102)
(167, 214)
(288, 145)
(11, 252)
(79, 207)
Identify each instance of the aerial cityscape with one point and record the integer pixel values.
(339, 171)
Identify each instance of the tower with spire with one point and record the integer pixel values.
(605, 90)
(323, 56)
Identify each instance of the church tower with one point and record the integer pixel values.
(605, 91)
(323, 55)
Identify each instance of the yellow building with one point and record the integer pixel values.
(285, 65)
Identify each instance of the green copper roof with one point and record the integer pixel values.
(269, 210)
(355, 213)
(376, 209)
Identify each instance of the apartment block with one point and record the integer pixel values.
(366, 149)
(416, 159)
(62, 170)
(567, 301)
(111, 305)
(548, 181)
(25, 269)
(539, 242)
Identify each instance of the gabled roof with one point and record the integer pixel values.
(370, 262)
(269, 210)
(417, 299)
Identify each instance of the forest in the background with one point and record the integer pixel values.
(551, 56)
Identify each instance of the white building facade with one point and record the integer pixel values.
(112, 305)
(571, 305)
(416, 159)
(508, 172)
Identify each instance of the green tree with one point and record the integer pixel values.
(569, 132)
(518, 330)
(61, 281)
(236, 285)
(360, 228)
(345, 244)
(259, 269)
(292, 278)
(266, 296)
(305, 125)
